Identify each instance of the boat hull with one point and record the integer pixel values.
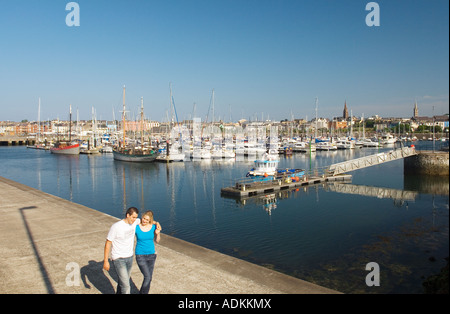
(178, 157)
(279, 174)
(67, 150)
(133, 157)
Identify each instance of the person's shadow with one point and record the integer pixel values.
(94, 274)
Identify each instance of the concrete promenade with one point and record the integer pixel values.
(51, 245)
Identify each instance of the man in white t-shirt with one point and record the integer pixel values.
(120, 242)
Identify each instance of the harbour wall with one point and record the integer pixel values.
(16, 141)
(434, 163)
(51, 245)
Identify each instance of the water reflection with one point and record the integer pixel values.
(414, 186)
(435, 185)
(132, 183)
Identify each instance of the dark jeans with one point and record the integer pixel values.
(146, 264)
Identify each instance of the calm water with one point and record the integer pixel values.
(324, 234)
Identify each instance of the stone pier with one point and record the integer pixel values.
(434, 163)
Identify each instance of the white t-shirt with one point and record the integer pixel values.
(121, 235)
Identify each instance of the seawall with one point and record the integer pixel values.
(51, 245)
(434, 163)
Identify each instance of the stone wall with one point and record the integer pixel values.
(428, 163)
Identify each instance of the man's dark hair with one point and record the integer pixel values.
(131, 211)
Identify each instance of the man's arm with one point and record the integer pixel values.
(106, 255)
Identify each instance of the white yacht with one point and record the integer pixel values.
(326, 146)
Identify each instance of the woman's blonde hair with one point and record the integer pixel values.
(149, 213)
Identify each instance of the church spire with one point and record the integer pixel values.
(345, 115)
(416, 110)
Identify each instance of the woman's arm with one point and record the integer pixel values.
(157, 231)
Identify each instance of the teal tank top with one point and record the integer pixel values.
(144, 243)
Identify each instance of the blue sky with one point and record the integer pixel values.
(264, 58)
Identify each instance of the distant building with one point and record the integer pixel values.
(345, 115)
(337, 124)
(416, 110)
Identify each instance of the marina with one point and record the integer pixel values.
(211, 119)
(316, 232)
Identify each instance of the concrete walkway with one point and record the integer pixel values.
(51, 245)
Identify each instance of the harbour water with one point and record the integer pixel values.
(325, 234)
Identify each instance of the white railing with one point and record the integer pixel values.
(371, 160)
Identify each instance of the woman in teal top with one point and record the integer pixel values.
(147, 233)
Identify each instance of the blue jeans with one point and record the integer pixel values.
(146, 264)
(123, 270)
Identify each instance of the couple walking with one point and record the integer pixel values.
(120, 243)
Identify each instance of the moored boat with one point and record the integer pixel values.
(367, 142)
(170, 153)
(345, 144)
(388, 139)
(65, 148)
(266, 169)
(132, 153)
(325, 146)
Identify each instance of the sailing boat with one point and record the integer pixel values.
(38, 144)
(66, 147)
(172, 152)
(134, 153)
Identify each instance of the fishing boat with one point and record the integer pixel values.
(133, 153)
(266, 169)
(136, 154)
(66, 147)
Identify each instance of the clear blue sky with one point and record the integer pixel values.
(264, 58)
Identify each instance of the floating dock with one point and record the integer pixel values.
(247, 187)
(335, 172)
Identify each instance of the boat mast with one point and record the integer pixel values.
(142, 123)
(70, 123)
(317, 102)
(123, 118)
(213, 118)
(39, 121)
(351, 124)
(171, 109)
(364, 134)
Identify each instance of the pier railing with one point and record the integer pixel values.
(371, 160)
